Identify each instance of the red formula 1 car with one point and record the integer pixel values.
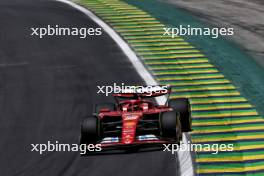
(135, 120)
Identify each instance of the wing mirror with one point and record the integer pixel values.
(105, 110)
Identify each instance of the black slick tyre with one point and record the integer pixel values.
(182, 105)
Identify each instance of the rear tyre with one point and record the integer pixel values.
(98, 107)
(90, 132)
(182, 105)
(170, 125)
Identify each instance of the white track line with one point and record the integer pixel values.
(184, 158)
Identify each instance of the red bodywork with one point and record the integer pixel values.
(132, 111)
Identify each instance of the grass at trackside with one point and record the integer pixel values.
(231, 60)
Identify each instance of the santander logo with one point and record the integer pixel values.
(131, 116)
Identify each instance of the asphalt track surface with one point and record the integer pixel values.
(47, 87)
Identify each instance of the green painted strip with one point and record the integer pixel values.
(140, 33)
(234, 154)
(195, 82)
(175, 43)
(229, 120)
(175, 61)
(135, 26)
(223, 137)
(125, 20)
(157, 29)
(217, 100)
(149, 37)
(221, 106)
(224, 127)
(163, 40)
(207, 93)
(172, 78)
(169, 52)
(202, 88)
(224, 113)
(186, 71)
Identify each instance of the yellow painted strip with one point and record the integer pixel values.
(160, 44)
(130, 27)
(201, 123)
(226, 114)
(220, 100)
(169, 52)
(127, 17)
(110, 14)
(166, 67)
(131, 20)
(174, 56)
(137, 25)
(178, 61)
(140, 29)
(154, 40)
(249, 147)
(232, 129)
(203, 95)
(198, 83)
(192, 77)
(162, 48)
(231, 158)
(179, 89)
(234, 170)
(185, 71)
(151, 37)
(142, 33)
(215, 107)
(125, 8)
(225, 138)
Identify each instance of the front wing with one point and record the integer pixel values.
(146, 141)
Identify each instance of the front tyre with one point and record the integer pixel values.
(182, 105)
(90, 130)
(170, 125)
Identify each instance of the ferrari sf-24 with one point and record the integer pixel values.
(135, 119)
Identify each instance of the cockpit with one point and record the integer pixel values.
(131, 106)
